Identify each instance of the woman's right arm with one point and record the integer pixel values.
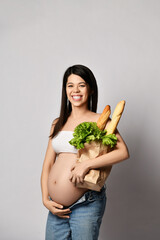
(49, 160)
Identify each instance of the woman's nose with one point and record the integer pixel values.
(76, 89)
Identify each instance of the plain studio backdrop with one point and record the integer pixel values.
(119, 41)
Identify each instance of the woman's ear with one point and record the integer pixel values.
(91, 92)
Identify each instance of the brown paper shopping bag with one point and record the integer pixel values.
(95, 178)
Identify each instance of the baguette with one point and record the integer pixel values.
(115, 117)
(101, 123)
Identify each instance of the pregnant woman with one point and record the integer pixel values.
(74, 213)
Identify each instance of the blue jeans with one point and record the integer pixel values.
(85, 219)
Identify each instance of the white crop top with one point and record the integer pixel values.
(60, 142)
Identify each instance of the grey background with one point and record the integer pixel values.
(119, 41)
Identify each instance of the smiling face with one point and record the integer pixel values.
(77, 90)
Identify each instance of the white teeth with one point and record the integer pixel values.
(76, 97)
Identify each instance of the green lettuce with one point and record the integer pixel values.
(88, 131)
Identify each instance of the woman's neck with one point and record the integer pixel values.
(79, 112)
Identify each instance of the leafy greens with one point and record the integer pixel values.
(88, 131)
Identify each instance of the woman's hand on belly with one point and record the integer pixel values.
(78, 172)
(56, 209)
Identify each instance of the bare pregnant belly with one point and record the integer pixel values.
(60, 188)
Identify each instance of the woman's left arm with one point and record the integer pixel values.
(120, 153)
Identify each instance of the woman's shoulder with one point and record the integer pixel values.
(55, 121)
(53, 124)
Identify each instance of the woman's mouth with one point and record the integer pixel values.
(77, 97)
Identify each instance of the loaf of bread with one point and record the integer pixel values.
(116, 117)
(102, 120)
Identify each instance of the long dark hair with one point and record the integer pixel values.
(66, 108)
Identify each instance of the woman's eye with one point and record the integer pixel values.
(82, 85)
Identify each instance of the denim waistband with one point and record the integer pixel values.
(90, 196)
